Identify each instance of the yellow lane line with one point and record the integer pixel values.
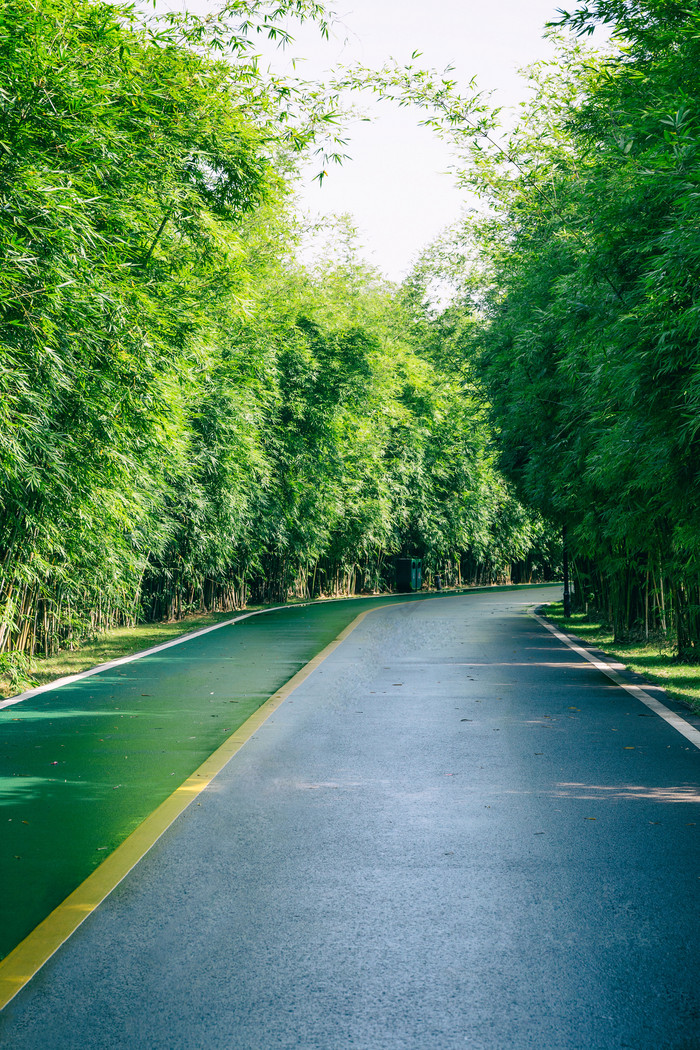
(37, 948)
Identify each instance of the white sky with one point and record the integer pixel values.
(395, 186)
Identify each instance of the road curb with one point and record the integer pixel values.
(613, 671)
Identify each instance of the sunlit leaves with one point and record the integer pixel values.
(187, 416)
(590, 347)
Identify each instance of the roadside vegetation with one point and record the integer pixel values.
(190, 419)
(576, 300)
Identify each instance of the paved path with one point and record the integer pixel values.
(84, 763)
(455, 833)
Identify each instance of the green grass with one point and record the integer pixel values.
(655, 659)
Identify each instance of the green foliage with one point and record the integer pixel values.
(16, 669)
(588, 334)
(125, 166)
(187, 416)
(575, 297)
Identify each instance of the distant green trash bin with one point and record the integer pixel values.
(409, 574)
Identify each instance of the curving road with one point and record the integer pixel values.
(455, 833)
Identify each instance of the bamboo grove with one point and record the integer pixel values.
(189, 418)
(579, 300)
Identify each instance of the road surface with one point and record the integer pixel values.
(455, 833)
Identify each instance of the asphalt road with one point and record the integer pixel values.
(84, 763)
(455, 833)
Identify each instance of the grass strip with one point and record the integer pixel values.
(654, 659)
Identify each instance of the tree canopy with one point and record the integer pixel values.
(189, 417)
(580, 294)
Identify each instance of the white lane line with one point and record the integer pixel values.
(677, 721)
(138, 656)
